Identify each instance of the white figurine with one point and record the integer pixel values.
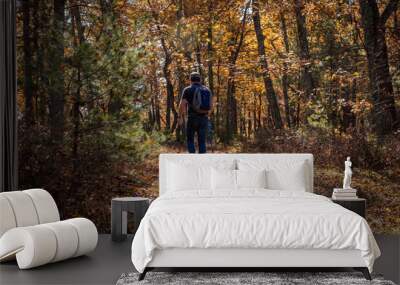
(347, 174)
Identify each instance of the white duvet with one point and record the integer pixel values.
(250, 219)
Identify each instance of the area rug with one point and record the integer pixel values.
(244, 278)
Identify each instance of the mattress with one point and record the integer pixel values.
(250, 219)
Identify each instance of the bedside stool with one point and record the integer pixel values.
(357, 205)
(119, 215)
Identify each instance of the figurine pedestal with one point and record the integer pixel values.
(344, 194)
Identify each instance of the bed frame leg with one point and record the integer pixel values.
(143, 274)
(364, 271)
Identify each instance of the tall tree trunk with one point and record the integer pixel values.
(157, 100)
(231, 118)
(151, 111)
(167, 75)
(180, 130)
(170, 95)
(198, 64)
(210, 47)
(255, 125)
(218, 101)
(42, 19)
(210, 54)
(249, 124)
(79, 39)
(381, 88)
(231, 112)
(285, 77)
(28, 80)
(349, 118)
(56, 81)
(308, 84)
(179, 69)
(259, 114)
(269, 87)
(333, 86)
(38, 63)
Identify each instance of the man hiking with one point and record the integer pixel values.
(196, 102)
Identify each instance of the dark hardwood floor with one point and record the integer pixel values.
(110, 260)
(103, 266)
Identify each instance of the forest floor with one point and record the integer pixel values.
(381, 192)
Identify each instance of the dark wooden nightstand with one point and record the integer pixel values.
(357, 205)
(119, 214)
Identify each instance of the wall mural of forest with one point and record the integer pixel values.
(99, 84)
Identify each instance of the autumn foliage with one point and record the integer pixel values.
(100, 81)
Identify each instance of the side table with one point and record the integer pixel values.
(119, 215)
(357, 205)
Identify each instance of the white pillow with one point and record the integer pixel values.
(223, 179)
(251, 178)
(287, 175)
(293, 180)
(199, 162)
(188, 177)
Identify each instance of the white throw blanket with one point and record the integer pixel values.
(250, 219)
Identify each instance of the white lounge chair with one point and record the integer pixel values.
(31, 230)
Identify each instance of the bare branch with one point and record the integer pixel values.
(390, 8)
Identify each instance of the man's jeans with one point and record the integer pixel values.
(199, 125)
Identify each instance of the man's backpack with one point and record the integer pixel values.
(202, 100)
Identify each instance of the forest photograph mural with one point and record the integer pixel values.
(100, 81)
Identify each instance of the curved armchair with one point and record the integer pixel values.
(31, 230)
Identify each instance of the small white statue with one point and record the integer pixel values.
(347, 174)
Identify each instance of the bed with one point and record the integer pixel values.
(246, 211)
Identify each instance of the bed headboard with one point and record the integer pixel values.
(217, 157)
